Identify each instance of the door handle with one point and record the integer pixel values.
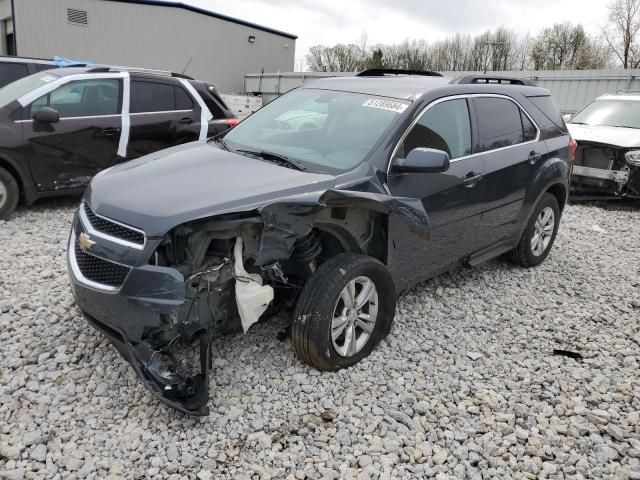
(110, 132)
(534, 157)
(186, 120)
(472, 179)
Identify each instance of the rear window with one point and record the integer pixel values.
(10, 72)
(550, 110)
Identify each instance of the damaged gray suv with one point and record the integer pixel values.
(390, 178)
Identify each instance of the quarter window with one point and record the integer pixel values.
(83, 98)
(158, 97)
(445, 126)
(528, 128)
(501, 123)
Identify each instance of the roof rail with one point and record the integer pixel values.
(107, 68)
(492, 79)
(381, 72)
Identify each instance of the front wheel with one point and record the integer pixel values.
(539, 234)
(344, 310)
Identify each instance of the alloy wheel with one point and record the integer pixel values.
(3, 194)
(543, 231)
(354, 316)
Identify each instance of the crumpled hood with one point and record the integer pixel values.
(616, 136)
(160, 191)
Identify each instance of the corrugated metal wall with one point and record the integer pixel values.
(571, 89)
(148, 36)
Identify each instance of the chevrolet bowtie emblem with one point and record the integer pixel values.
(85, 241)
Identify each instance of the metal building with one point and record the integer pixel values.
(156, 34)
(571, 89)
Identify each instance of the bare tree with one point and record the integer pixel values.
(566, 46)
(621, 32)
(556, 47)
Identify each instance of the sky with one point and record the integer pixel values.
(327, 22)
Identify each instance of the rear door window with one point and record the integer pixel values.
(10, 72)
(183, 99)
(152, 97)
(445, 126)
(500, 123)
(149, 97)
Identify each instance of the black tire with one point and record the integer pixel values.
(523, 254)
(311, 329)
(9, 194)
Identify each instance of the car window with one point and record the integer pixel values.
(612, 113)
(214, 103)
(529, 129)
(10, 72)
(326, 130)
(23, 86)
(550, 110)
(499, 123)
(445, 126)
(183, 99)
(152, 97)
(82, 98)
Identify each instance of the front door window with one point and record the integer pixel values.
(82, 98)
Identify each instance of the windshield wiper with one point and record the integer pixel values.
(626, 126)
(277, 158)
(221, 142)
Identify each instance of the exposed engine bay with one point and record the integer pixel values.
(226, 290)
(606, 169)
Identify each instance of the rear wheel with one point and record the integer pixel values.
(539, 234)
(9, 194)
(344, 310)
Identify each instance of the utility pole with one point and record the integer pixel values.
(13, 23)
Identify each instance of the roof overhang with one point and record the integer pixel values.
(202, 11)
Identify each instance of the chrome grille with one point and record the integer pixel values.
(99, 270)
(113, 229)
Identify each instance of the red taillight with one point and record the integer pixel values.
(232, 122)
(573, 146)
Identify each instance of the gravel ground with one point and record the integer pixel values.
(466, 386)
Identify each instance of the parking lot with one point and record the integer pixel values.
(476, 379)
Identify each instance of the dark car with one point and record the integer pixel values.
(14, 68)
(608, 155)
(403, 177)
(58, 128)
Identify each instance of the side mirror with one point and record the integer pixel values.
(46, 115)
(422, 160)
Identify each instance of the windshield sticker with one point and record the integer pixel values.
(48, 78)
(390, 105)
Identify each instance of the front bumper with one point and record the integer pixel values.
(126, 312)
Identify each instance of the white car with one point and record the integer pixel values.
(608, 156)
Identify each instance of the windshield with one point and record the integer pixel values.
(612, 113)
(324, 130)
(21, 87)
